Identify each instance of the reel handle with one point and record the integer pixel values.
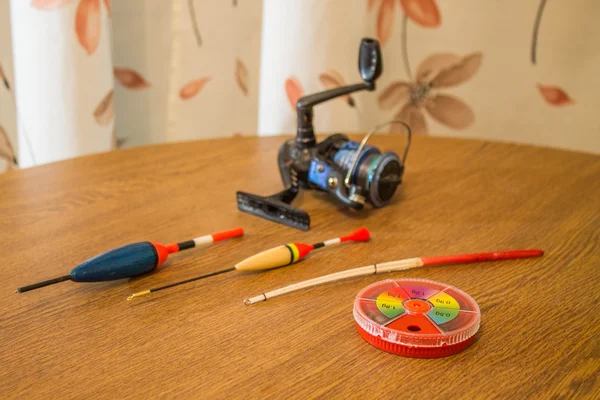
(370, 66)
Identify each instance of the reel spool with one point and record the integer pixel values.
(416, 317)
(380, 174)
(370, 176)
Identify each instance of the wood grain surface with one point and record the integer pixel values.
(540, 317)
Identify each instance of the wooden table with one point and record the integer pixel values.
(540, 317)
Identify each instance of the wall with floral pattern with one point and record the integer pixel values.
(86, 76)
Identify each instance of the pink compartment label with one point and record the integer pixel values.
(420, 292)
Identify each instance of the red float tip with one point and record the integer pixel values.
(359, 235)
(232, 233)
(162, 252)
(303, 249)
(172, 248)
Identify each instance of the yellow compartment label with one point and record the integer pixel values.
(444, 300)
(390, 304)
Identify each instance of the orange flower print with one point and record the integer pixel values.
(554, 95)
(438, 71)
(293, 90)
(88, 24)
(6, 150)
(3, 79)
(241, 76)
(192, 88)
(130, 79)
(422, 12)
(105, 110)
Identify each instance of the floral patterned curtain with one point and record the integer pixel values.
(86, 76)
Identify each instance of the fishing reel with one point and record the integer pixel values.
(353, 173)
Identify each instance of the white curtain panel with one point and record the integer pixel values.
(62, 72)
(308, 46)
(8, 120)
(200, 60)
(86, 76)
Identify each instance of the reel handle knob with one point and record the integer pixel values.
(370, 62)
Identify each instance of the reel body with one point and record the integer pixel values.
(353, 173)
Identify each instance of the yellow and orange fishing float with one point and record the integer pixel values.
(279, 256)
